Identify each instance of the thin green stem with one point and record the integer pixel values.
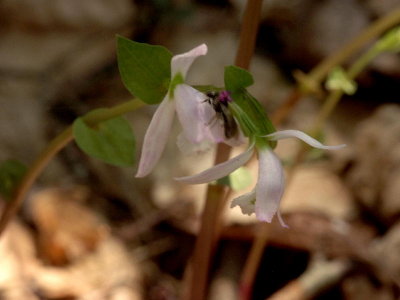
(334, 97)
(311, 82)
(211, 217)
(92, 118)
(374, 30)
(57, 144)
(332, 101)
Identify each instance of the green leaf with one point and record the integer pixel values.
(11, 172)
(178, 79)
(236, 78)
(145, 69)
(246, 109)
(251, 115)
(207, 88)
(237, 180)
(112, 141)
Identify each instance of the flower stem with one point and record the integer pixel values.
(331, 102)
(334, 97)
(373, 31)
(57, 144)
(215, 200)
(248, 34)
(253, 261)
(318, 73)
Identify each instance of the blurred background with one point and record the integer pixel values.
(92, 231)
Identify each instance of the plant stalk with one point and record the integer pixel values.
(374, 30)
(211, 217)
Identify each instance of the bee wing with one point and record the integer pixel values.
(230, 126)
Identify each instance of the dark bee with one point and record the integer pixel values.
(219, 102)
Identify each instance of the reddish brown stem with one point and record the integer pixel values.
(211, 218)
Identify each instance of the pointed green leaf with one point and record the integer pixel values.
(246, 109)
(145, 69)
(251, 115)
(11, 172)
(111, 141)
(236, 78)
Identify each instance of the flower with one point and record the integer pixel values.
(182, 98)
(220, 126)
(265, 198)
(198, 118)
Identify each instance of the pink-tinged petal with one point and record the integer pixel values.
(182, 62)
(216, 131)
(270, 185)
(214, 125)
(156, 137)
(284, 134)
(245, 202)
(220, 170)
(188, 148)
(188, 102)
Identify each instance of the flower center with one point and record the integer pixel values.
(225, 97)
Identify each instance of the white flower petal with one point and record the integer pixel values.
(302, 136)
(182, 62)
(214, 125)
(156, 137)
(189, 148)
(270, 185)
(188, 107)
(245, 202)
(220, 170)
(216, 130)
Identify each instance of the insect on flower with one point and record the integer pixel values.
(219, 102)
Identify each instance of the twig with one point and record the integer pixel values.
(319, 276)
(313, 233)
